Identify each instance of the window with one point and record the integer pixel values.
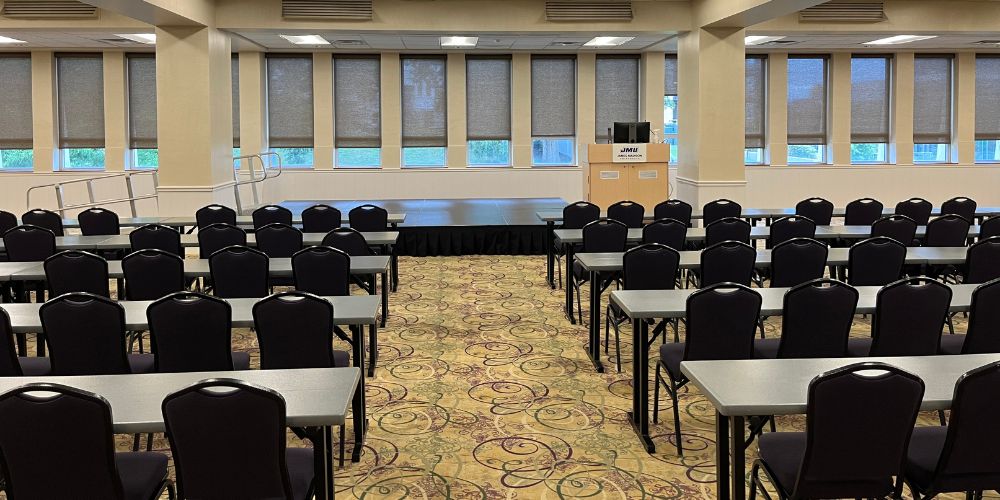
(80, 95)
(987, 108)
(670, 104)
(553, 110)
(142, 110)
(869, 109)
(756, 109)
(807, 109)
(357, 110)
(425, 111)
(15, 101)
(617, 88)
(932, 108)
(487, 104)
(236, 104)
(290, 109)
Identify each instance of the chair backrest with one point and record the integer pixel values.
(294, 330)
(8, 221)
(728, 261)
(85, 334)
(156, 236)
(349, 240)
(214, 214)
(719, 209)
(67, 423)
(579, 214)
(673, 209)
(727, 229)
(368, 217)
(898, 227)
(876, 261)
(271, 214)
(947, 231)
(279, 240)
(191, 332)
(605, 235)
(9, 366)
(909, 317)
(215, 237)
(983, 335)
(669, 232)
(863, 212)
(322, 270)
(239, 272)
(628, 212)
(818, 210)
(797, 261)
(245, 457)
(151, 274)
(99, 221)
(852, 451)
(816, 319)
(711, 335)
(320, 219)
(650, 266)
(982, 261)
(990, 227)
(44, 218)
(917, 209)
(960, 205)
(794, 226)
(28, 243)
(76, 271)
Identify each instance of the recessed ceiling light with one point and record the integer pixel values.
(147, 38)
(459, 41)
(609, 41)
(305, 39)
(898, 39)
(4, 39)
(760, 39)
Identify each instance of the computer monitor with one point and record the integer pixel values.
(631, 132)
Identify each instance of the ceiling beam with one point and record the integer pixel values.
(162, 12)
(745, 13)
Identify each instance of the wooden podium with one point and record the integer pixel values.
(642, 180)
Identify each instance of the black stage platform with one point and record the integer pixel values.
(505, 226)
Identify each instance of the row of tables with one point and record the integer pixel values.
(394, 220)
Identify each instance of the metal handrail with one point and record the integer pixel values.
(59, 188)
(254, 180)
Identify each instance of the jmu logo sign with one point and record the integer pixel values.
(628, 153)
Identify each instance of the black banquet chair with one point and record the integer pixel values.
(917, 209)
(863, 212)
(156, 236)
(818, 210)
(673, 209)
(728, 261)
(320, 219)
(246, 456)
(947, 231)
(239, 272)
(719, 209)
(982, 336)
(797, 261)
(29, 243)
(215, 237)
(192, 332)
(44, 218)
(351, 242)
(875, 262)
(77, 271)
(368, 218)
(982, 261)
(898, 227)
(271, 214)
(909, 317)
(847, 450)
(214, 214)
(324, 271)
(815, 323)
(727, 229)
(627, 212)
(279, 240)
(99, 221)
(76, 427)
(575, 216)
(8, 221)
(604, 235)
(990, 227)
(793, 226)
(961, 206)
(151, 274)
(12, 365)
(669, 232)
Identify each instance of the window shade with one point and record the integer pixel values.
(617, 87)
(80, 78)
(236, 101)
(487, 98)
(987, 98)
(807, 100)
(670, 75)
(425, 111)
(15, 101)
(870, 99)
(553, 96)
(290, 102)
(357, 102)
(932, 100)
(141, 101)
(755, 101)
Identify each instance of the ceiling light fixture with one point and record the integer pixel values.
(305, 39)
(760, 39)
(898, 39)
(609, 41)
(4, 39)
(459, 41)
(147, 38)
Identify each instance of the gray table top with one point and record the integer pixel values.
(9, 268)
(860, 232)
(122, 222)
(780, 386)
(246, 220)
(756, 233)
(645, 304)
(555, 215)
(313, 397)
(350, 310)
(75, 242)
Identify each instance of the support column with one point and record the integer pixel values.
(457, 132)
(711, 74)
(323, 123)
(392, 111)
(520, 124)
(253, 123)
(901, 146)
(586, 112)
(194, 118)
(651, 91)
(840, 112)
(777, 109)
(964, 150)
(116, 146)
(45, 124)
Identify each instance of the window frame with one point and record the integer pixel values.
(885, 147)
(949, 146)
(574, 161)
(825, 146)
(402, 69)
(337, 149)
(766, 71)
(978, 139)
(510, 133)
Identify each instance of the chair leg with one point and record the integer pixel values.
(149, 442)
(942, 418)
(342, 446)
(754, 478)
(607, 328)
(579, 305)
(677, 416)
(760, 325)
(618, 349)
(171, 494)
(951, 325)
(656, 393)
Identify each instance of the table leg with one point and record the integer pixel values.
(385, 298)
(639, 416)
(738, 457)
(594, 349)
(322, 466)
(550, 260)
(721, 456)
(372, 349)
(358, 403)
(568, 252)
(394, 263)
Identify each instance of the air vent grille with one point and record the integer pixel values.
(334, 10)
(844, 11)
(557, 10)
(48, 9)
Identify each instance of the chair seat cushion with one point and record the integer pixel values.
(241, 360)
(952, 344)
(300, 471)
(141, 363)
(671, 356)
(859, 348)
(783, 452)
(141, 473)
(922, 455)
(35, 366)
(766, 348)
(341, 359)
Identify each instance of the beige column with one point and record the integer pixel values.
(457, 132)
(840, 108)
(45, 123)
(253, 118)
(323, 123)
(711, 73)
(901, 145)
(392, 110)
(964, 149)
(116, 147)
(520, 107)
(651, 91)
(777, 109)
(586, 109)
(194, 118)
